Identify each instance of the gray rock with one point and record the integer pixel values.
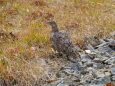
(62, 84)
(104, 79)
(68, 83)
(70, 71)
(104, 58)
(112, 70)
(98, 65)
(107, 73)
(92, 69)
(99, 74)
(113, 78)
(85, 58)
(61, 74)
(112, 45)
(92, 56)
(109, 40)
(75, 79)
(101, 80)
(90, 47)
(55, 83)
(83, 72)
(97, 60)
(110, 61)
(86, 78)
(94, 85)
(106, 49)
(89, 64)
(101, 45)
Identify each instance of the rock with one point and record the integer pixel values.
(102, 41)
(89, 64)
(90, 69)
(75, 79)
(112, 70)
(86, 78)
(95, 85)
(113, 78)
(83, 72)
(85, 58)
(88, 51)
(104, 80)
(97, 60)
(55, 83)
(70, 71)
(62, 84)
(99, 74)
(112, 45)
(101, 80)
(68, 83)
(109, 40)
(106, 49)
(101, 45)
(104, 58)
(90, 47)
(107, 73)
(98, 65)
(110, 61)
(91, 56)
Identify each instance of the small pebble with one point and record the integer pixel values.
(112, 70)
(107, 73)
(88, 51)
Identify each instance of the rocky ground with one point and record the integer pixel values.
(96, 67)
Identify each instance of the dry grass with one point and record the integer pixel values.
(30, 35)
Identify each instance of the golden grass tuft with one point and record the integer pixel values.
(35, 38)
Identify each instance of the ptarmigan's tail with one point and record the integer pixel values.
(74, 55)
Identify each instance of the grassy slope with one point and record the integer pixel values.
(30, 39)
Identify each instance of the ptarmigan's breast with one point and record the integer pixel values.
(61, 41)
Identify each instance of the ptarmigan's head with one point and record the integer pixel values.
(54, 26)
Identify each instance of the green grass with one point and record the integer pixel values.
(34, 38)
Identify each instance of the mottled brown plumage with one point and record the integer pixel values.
(62, 42)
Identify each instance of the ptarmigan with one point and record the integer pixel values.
(62, 43)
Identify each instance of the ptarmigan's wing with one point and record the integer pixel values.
(61, 42)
